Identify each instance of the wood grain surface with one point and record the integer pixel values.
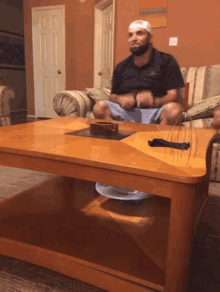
(48, 140)
(63, 224)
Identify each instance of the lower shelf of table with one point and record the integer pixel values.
(64, 225)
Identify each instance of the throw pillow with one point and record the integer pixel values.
(98, 94)
(204, 108)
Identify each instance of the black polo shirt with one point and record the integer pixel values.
(158, 75)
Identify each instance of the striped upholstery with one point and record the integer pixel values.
(204, 84)
(72, 103)
(6, 96)
(215, 167)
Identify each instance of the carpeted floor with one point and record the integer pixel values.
(17, 276)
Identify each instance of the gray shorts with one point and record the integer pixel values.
(136, 115)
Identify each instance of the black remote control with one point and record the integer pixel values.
(165, 143)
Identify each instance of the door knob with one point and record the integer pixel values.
(59, 72)
(100, 73)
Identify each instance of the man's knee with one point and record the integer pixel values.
(100, 106)
(216, 118)
(101, 110)
(171, 112)
(173, 109)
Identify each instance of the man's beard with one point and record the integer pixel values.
(138, 51)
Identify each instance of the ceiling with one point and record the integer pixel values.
(15, 3)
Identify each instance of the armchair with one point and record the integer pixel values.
(6, 97)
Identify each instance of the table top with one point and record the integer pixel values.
(47, 139)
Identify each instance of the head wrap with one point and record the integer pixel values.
(141, 24)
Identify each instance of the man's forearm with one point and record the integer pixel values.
(113, 97)
(116, 97)
(160, 101)
(126, 101)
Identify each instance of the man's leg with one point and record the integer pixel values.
(112, 111)
(170, 114)
(101, 111)
(216, 119)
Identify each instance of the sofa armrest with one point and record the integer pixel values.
(6, 96)
(78, 103)
(72, 103)
(98, 94)
(204, 109)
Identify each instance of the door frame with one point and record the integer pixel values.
(98, 39)
(33, 10)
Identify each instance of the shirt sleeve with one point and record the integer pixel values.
(173, 77)
(116, 81)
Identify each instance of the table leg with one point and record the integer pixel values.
(181, 231)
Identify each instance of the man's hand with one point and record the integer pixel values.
(216, 119)
(126, 101)
(145, 99)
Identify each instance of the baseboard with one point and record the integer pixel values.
(31, 116)
(18, 113)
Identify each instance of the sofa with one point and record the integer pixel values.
(203, 96)
(6, 96)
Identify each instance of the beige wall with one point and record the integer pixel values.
(196, 24)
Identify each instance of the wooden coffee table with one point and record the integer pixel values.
(64, 225)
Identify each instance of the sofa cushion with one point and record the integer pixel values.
(6, 96)
(90, 115)
(215, 166)
(204, 108)
(106, 83)
(98, 94)
(204, 83)
(200, 123)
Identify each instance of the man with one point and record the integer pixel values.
(146, 85)
(216, 119)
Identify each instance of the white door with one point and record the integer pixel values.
(48, 29)
(107, 41)
(104, 43)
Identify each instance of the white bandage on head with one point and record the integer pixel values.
(141, 24)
